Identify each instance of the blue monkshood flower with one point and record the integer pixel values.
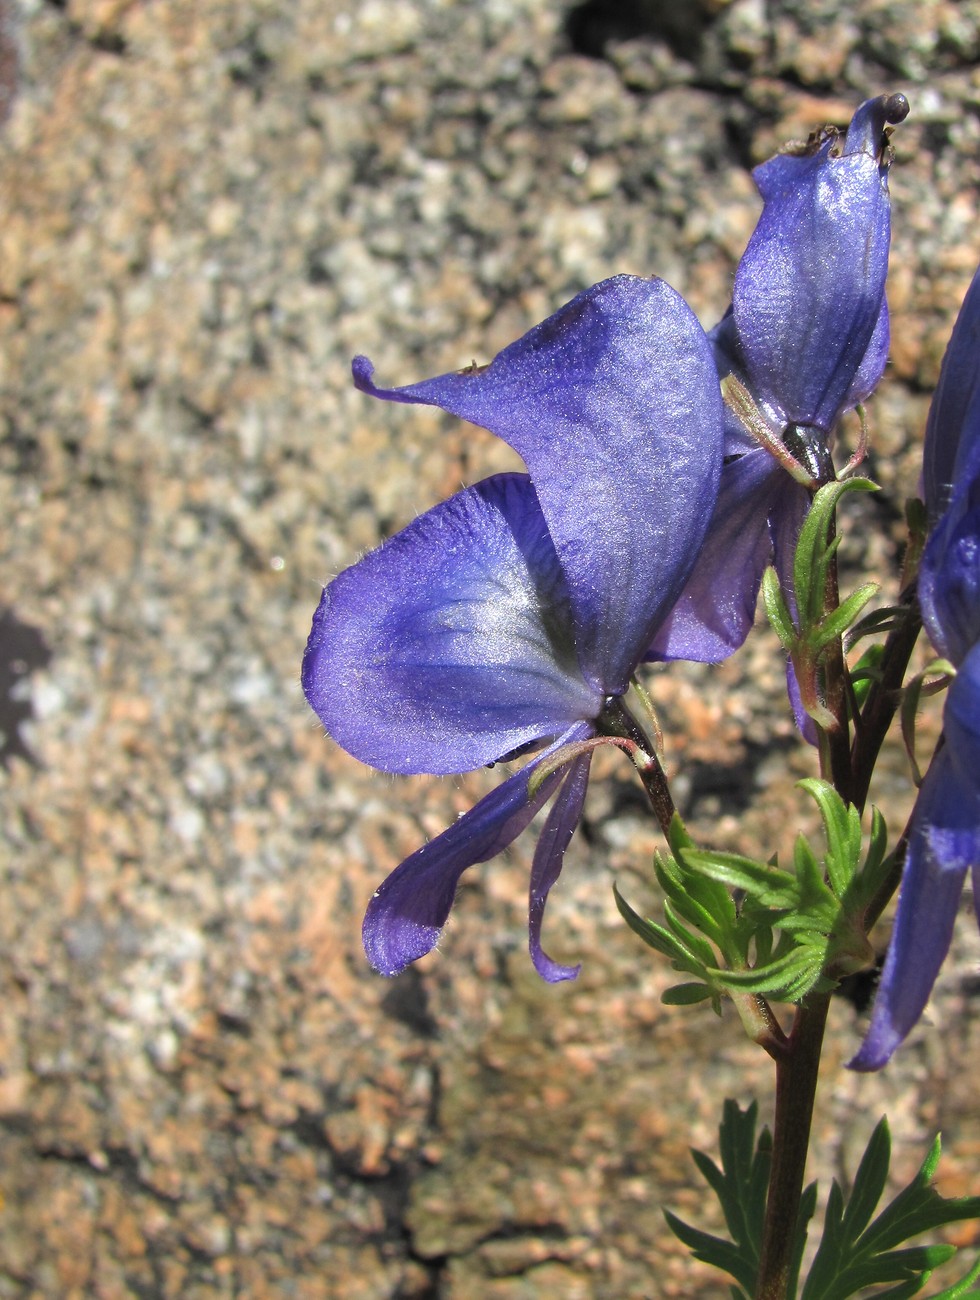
(805, 340)
(507, 617)
(944, 830)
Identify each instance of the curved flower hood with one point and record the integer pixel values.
(806, 338)
(809, 300)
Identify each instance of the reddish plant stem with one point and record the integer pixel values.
(797, 1070)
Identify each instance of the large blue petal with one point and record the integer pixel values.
(717, 607)
(957, 391)
(809, 290)
(614, 405)
(548, 859)
(944, 843)
(451, 645)
(406, 915)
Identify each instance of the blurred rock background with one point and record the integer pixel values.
(206, 207)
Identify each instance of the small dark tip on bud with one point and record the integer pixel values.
(896, 108)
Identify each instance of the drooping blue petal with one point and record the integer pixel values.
(927, 907)
(944, 843)
(717, 607)
(406, 914)
(949, 580)
(451, 645)
(613, 404)
(957, 392)
(549, 856)
(809, 290)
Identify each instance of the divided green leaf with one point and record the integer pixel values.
(858, 1252)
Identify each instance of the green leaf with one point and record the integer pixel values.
(920, 1208)
(767, 885)
(939, 669)
(814, 900)
(686, 995)
(656, 936)
(835, 623)
(856, 1252)
(842, 828)
(686, 952)
(792, 932)
(905, 1289)
(964, 1287)
(866, 672)
(715, 1251)
(816, 548)
(699, 948)
(777, 610)
(875, 866)
(741, 1184)
(787, 979)
(869, 1181)
(701, 902)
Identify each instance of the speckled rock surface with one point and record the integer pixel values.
(207, 207)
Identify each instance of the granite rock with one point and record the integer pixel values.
(208, 207)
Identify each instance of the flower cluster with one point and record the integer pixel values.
(944, 831)
(512, 617)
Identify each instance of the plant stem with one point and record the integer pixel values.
(617, 720)
(797, 1068)
(798, 1064)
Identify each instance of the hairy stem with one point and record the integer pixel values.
(796, 1085)
(617, 720)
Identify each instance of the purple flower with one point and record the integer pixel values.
(944, 830)
(805, 340)
(505, 618)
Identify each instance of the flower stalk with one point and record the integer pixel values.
(797, 1071)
